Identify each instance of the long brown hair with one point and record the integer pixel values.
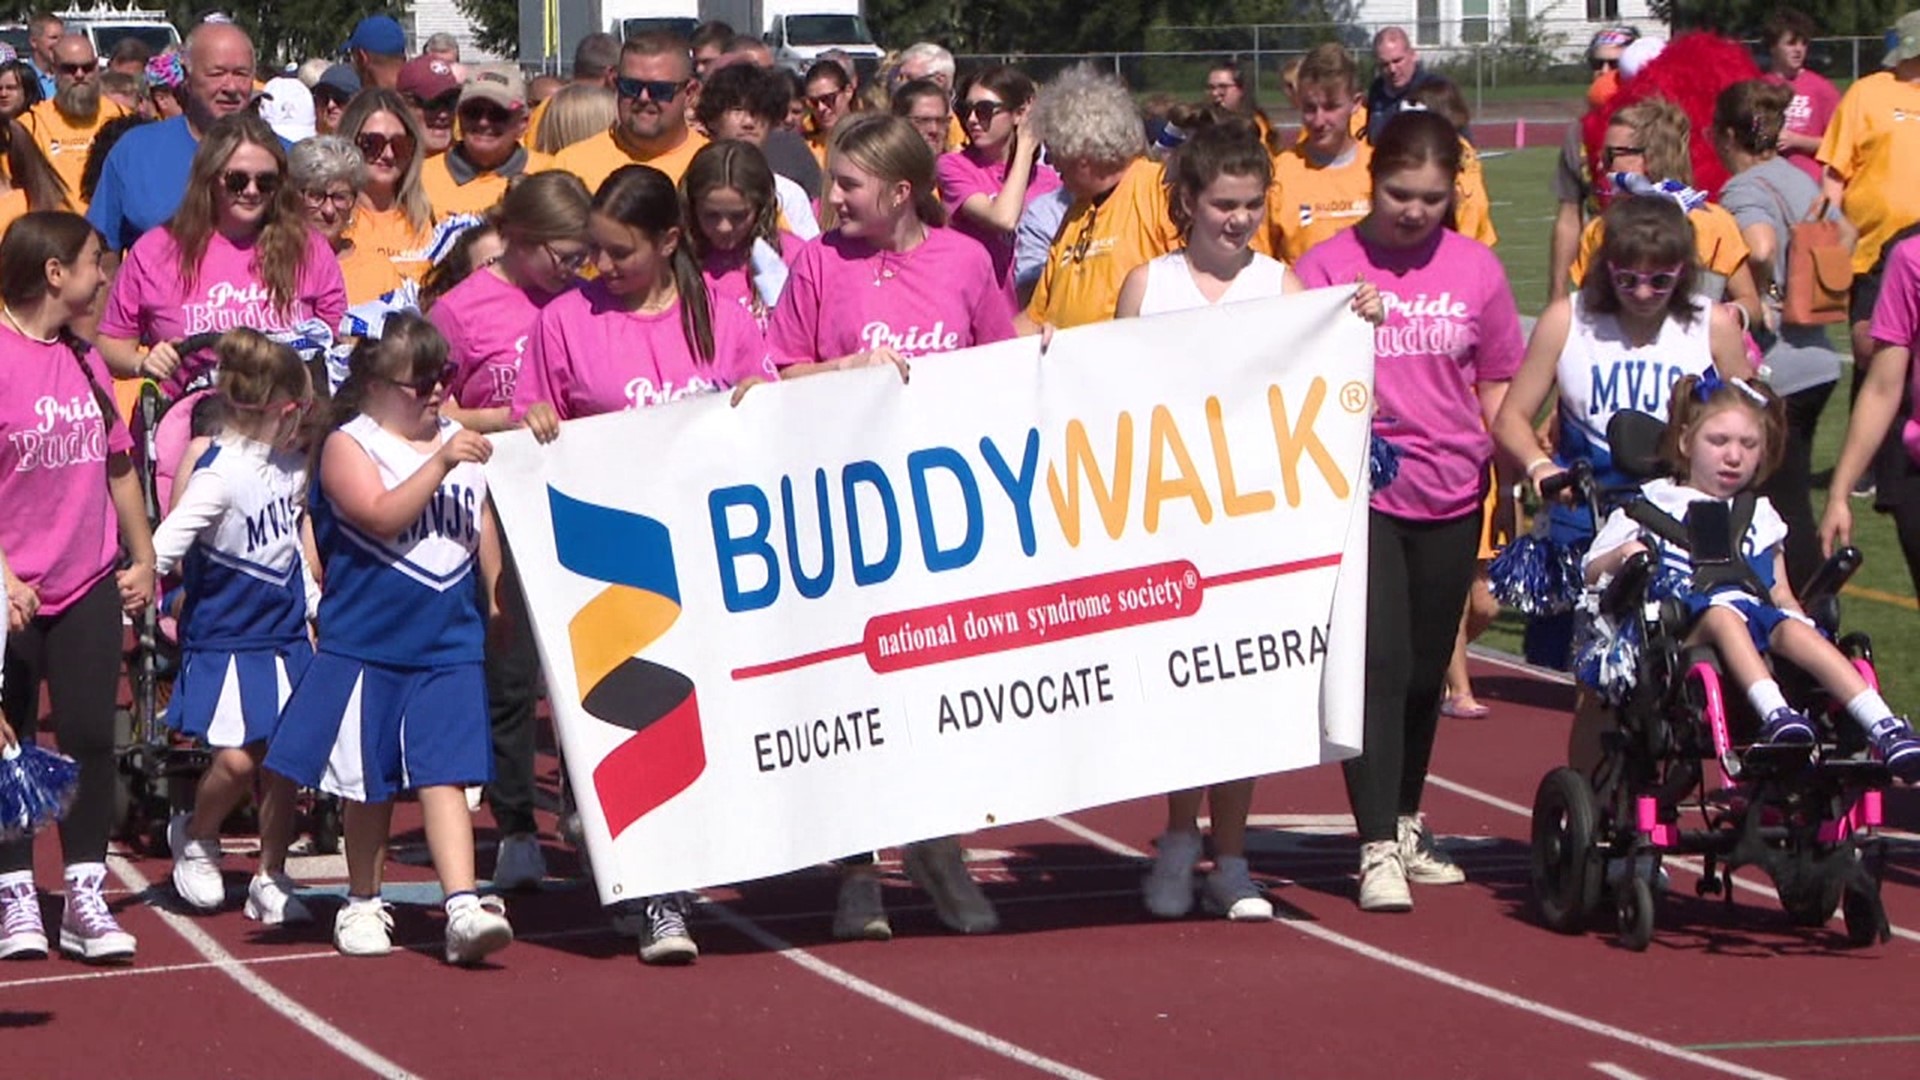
(282, 244)
(31, 242)
(742, 167)
(31, 171)
(1643, 230)
(1686, 412)
(411, 197)
(642, 197)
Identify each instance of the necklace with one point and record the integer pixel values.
(882, 272)
(24, 332)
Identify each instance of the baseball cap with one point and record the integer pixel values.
(427, 78)
(339, 78)
(166, 72)
(1903, 41)
(379, 35)
(504, 88)
(287, 106)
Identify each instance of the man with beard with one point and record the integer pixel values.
(145, 175)
(64, 125)
(651, 128)
(473, 175)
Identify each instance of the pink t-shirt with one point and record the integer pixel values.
(150, 301)
(1813, 105)
(845, 296)
(590, 357)
(1896, 321)
(961, 176)
(729, 274)
(487, 322)
(57, 524)
(1450, 325)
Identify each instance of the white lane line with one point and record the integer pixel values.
(1691, 865)
(1608, 1068)
(1460, 982)
(913, 1010)
(302, 1017)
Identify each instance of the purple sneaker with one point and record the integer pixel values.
(87, 929)
(22, 935)
(1894, 743)
(1787, 727)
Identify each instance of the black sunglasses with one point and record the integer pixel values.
(1613, 152)
(372, 144)
(236, 181)
(1599, 65)
(983, 112)
(485, 112)
(76, 70)
(327, 95)
(422, 386)
(659, 90)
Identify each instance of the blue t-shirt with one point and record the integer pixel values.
(142, 182)
(48, 87)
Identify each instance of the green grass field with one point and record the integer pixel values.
(1523, 210)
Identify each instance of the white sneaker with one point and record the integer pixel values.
(364, 928)
(87, 928)
(1231, 891)
(1168, 887)
(271, 900)
(477, 930)
(1383, 879)
(667, 940)
(22, 935)
(860, 914)
(1425, 863)
(196, 867)
(940, 867)
(518, 863)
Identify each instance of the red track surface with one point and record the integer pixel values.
(1079, 983)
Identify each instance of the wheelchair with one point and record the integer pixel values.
(1807, 816)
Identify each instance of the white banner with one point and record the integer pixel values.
(850, 613)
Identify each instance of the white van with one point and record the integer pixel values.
(106, 26)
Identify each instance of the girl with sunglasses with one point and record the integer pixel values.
(243, 630)
(644, 332)
(1636, 325)
(987, 185)
(237, 253)
(396, 697)
(1443, 354)
(392, 217)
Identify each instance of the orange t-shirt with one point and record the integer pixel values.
(1873, 137)
(1099, 244)
(1472, 210)
(595, 159)
(66, 143)
(389, 235)
(13, 205)
(1716, 237)
(476, 196)
(369, 275)
(533, 120)
(1309, 203)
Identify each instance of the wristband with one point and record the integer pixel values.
(1536, 463)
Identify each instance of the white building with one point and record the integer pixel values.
(1449, 23)
(430, 17)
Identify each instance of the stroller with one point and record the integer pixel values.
(159, 770)
(1805, 815)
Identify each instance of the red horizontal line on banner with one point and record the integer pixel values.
(841, 652)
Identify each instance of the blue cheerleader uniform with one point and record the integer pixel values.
(235, 536)
(396, 698)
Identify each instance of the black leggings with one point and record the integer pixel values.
(1417, 579)
(77, 652)
(513, 674)
(1790, 486)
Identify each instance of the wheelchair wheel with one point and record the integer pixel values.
(1811, 903)
(1866, 918)
(1633, 904)
(1566, 883)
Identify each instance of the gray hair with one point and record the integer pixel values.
(442, 42)
(310, 72)
(938, 60)
(315, 163)
(1086, 115)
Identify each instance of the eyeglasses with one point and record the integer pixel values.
(445, 103)
(983, 112)
(1614, 153)
(1598, 65)
(481, 112)
(76, 70)
(569, 263)
(422, 386)
(1222, 86)
(661, 91)
(1660, 281)
(317, 199)
(829, 100)
(327, 97)
(373, 144)
(928, 123)
(236, 181)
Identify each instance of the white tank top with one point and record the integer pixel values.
(1601, 373)
(1170, 284)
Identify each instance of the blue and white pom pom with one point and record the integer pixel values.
(1535, 576)
(1383, 462)
(1607, 658)
(36, 788)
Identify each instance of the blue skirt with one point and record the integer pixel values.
(368, 732)
(233, 699)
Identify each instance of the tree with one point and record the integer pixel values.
(289, 31)
(496, 25)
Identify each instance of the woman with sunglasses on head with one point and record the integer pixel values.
(645, 331)
(1637, 324)
(328, 172)
(237, 253)
(987, 185)
(1442, 358)
(391, 218)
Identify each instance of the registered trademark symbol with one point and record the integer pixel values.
(1193, 580)
(1353, 397)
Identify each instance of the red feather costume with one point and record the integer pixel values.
(1690, 72)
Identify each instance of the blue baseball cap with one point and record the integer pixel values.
(379, 35)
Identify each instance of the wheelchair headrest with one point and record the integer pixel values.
(1634, 438)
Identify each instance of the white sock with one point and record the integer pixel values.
(1868, 708)
(1766, 697)
(461, 901)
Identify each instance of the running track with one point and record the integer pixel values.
(1079, 984)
